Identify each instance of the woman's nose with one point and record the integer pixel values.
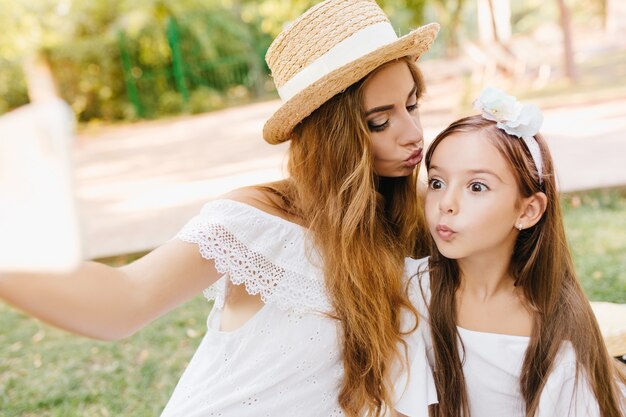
(411, 132)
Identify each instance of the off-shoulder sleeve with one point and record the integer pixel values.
(267, 254)
(567, 392)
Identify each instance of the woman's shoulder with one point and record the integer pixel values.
(242, 218)
(260, 199)
(257, 196)
(248, 216)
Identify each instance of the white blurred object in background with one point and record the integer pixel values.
(39, 223)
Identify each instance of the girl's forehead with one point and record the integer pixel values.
(468, 151)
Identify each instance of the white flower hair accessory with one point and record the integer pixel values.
(516, 119)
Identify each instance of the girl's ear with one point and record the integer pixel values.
(532, 209)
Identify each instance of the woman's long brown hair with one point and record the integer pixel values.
(363, 226)
(542, 267)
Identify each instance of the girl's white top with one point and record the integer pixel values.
(286, 360)
(493, 363)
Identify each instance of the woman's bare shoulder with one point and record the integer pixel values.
(258, 196)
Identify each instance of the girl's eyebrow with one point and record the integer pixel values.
(472, 171)
(484, 171)
(390, 106)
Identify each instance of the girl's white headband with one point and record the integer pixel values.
(521, 120)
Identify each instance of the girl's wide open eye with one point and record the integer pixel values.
(435, 184)
(478, 187)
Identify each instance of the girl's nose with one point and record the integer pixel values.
(448, 203)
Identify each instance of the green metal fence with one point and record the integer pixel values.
(185, 68)
(193, 62)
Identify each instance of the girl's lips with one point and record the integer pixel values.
(445, 232)
(414, 159)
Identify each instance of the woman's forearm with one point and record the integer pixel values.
(103, 302)
(95, 300)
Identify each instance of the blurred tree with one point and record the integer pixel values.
(568, 51)
(405, 14)
(269, 16)
(496, 26)
(450, 17)
(81, 40)
(603, 8)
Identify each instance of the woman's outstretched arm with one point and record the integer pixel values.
(107, 303)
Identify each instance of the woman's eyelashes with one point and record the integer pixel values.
(376, 126)
(373, 127)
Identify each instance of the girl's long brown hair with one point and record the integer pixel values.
(363, 226)
(542, 267)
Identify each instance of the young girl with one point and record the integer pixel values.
(311, 315)
(512, 331)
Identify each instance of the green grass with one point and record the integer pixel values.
(46, 372)
(595, 224)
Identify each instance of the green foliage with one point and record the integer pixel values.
(222, 44)
(204, 99)
(12, 86)
(218, 49)
(90, 78)
(82, 42)
(170, 102)
(405, 14)
(269, 16)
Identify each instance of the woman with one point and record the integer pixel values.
(311, 315)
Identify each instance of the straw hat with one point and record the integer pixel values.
(330, 47)
(611, 319)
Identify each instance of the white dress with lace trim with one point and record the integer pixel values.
(286, 360)
(264, 252)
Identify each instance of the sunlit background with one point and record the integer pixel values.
(170, 97)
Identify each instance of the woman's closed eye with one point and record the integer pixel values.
(377, 127)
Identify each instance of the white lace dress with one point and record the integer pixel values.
(286, 360)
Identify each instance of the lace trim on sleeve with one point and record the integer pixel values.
(224, 233)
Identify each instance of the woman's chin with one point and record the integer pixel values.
(395, 173)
